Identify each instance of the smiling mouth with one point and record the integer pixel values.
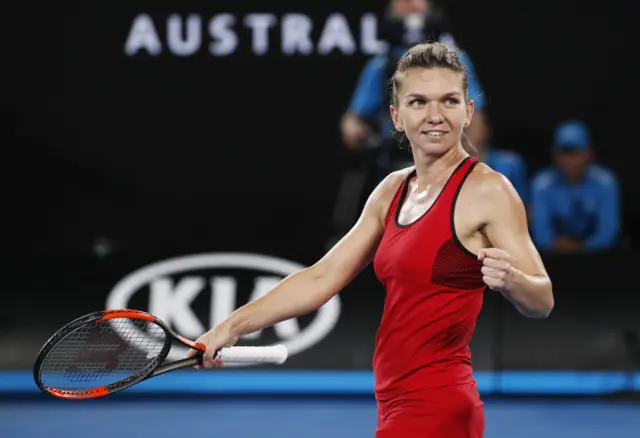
(434, 133)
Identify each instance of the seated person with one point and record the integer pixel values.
(575, 202)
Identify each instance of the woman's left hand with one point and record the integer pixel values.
(496, 269)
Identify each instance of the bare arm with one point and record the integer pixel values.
(513, 266)
(310, 288)
(307, 290)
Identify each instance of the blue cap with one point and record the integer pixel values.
(572, 134)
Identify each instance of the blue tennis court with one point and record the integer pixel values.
(293, 417)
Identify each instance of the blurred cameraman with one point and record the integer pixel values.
(366, 126)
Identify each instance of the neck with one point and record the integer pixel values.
(576, 179)
(430, 168)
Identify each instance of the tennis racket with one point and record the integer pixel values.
(108, 351)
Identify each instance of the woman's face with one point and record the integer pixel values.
(431, 109)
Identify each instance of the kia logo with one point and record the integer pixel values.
(174, 284)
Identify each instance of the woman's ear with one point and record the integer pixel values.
(470, 110)
(395, 118)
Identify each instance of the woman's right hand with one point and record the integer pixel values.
(218, 337)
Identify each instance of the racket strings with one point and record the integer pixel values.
(102, 353)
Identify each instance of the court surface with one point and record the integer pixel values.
(308, 418)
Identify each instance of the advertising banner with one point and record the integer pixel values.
(593, 328)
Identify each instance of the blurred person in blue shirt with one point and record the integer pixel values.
(505, 161)
(575, 202)
(406, 23)
(366, 126)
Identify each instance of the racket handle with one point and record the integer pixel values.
(276, 354)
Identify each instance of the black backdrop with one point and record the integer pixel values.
(167, 155)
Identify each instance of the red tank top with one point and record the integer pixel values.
(434, 293)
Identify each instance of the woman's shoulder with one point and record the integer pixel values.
(487, 185)
(383, 195)
(392, 182)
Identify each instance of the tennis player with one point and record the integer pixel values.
(438, 233)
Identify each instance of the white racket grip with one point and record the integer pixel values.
(276, 354)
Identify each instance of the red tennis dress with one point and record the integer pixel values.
(434, 290)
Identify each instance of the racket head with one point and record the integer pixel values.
(102, 353)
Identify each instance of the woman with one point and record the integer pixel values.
(439, 233)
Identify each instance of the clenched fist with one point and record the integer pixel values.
(496, 268)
